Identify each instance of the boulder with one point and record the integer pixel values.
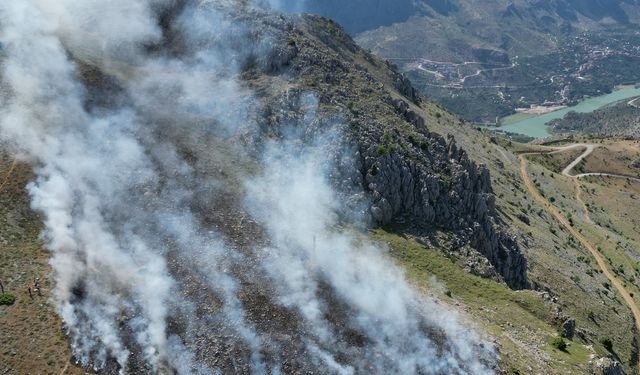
(607, 366)
(569, 328)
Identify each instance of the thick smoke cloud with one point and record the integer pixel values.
(86, 166)
(115, 199)
(121, 186)
(310, 253)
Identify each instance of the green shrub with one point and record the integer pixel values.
(7, 299)
(559, 344)
(351, 105)
(575, 279)
(386, 137)
(382, 150)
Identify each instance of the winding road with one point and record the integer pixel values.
(588, 150)
(559, 216)
(461, 81)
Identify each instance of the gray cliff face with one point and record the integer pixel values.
(404, 172)
(457, 197)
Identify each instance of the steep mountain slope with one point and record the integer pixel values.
(406, 171)
(558, 264)
(203, 189)
(227, 203)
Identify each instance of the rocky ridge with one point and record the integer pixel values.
(407, 173)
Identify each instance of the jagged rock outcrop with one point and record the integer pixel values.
(403, 169)
(457, 197)
(569, 328)
(565, 323)
(607, 366)
(524, 218)
(404, 86)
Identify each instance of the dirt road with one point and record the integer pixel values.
(555, 212)
(588, 150)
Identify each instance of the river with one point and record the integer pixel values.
(535, 125)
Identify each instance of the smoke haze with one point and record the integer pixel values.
(148, 277)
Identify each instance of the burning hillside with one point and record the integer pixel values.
(203, 211)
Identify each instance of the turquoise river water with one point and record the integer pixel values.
(536, 125)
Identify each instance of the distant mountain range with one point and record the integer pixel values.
(522, 26)
(363, 15)
(483, 59)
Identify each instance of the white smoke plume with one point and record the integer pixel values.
(309, 252)
(45, 115)
(113, 198)
(139, 273)
(290, 6)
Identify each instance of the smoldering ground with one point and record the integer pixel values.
(184, 238)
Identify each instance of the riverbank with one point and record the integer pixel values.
(535, 126)
(540, 109)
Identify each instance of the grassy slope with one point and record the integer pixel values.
(517, 320)
(31, 338)
(601, 311)
(614, 156)
(558, 161)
